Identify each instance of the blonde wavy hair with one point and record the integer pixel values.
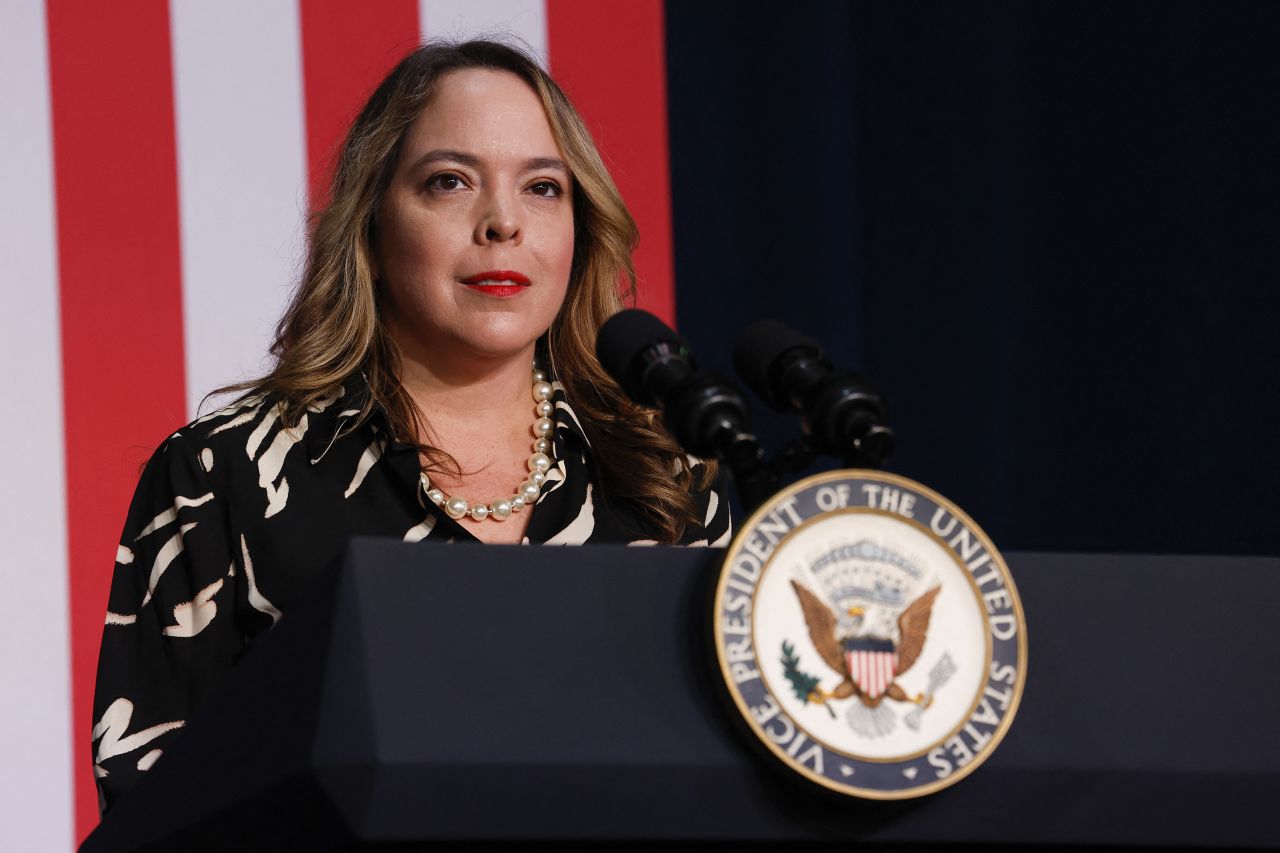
(334, 325)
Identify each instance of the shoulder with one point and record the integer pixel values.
(232, 451)
(251, 425)
(208, 444)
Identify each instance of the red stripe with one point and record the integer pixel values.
(347, 48)
(120, 287)
(611, 59)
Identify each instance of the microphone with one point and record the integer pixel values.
(845, 413)
(705, 413)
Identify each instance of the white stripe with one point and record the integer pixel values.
(237, 77)
(113, 725)
(164, 519)
(168, 552)
(526, 20)
(713, 501)
(272, 461)
(145, 762)
(421, 530)
(581, 528)
(256, 599)
(368, 459)
(36, 805)
(194, 616)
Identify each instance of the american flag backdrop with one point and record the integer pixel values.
(157, 162)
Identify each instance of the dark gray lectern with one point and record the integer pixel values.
(503, 694)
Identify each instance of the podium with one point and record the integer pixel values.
(446, 693)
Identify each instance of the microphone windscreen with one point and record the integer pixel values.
(624, 336)
(756, 351)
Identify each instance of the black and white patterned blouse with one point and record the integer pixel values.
(235, 516)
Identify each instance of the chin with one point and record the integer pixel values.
(479, 335)
(502, 342)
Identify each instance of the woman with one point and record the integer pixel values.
(435, 380)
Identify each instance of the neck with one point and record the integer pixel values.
(465, 388)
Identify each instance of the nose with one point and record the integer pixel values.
(499, 221)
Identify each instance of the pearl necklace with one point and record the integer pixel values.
(528, 492)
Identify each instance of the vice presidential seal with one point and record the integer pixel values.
(870, 634)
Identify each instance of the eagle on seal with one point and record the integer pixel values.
(868, 665)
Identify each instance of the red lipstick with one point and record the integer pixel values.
(497, 282)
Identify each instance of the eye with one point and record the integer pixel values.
(446, 182)
(546, 189)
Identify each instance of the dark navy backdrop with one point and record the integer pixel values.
(1051, 232)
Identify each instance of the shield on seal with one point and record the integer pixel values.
(872, 664)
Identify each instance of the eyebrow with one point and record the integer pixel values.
(533, 164)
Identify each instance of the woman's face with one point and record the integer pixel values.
(475, 233)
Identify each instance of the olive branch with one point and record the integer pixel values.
(804, 685)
